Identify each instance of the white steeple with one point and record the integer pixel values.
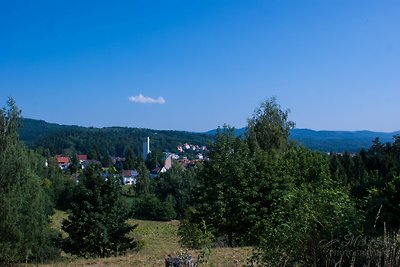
(146, 147)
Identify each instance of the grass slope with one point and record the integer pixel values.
(159, 239)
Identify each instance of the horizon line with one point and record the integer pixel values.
(207, 131)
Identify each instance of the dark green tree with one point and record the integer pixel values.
(149, 207)
(225, 191)
(75, 166)
(155, 159)
(129, 162)
(25, 233)
(306, 207)
(178, 184)
(106, 161)
(143, 183)
(97, 225)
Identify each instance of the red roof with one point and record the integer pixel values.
(62, 160)
(82, 157)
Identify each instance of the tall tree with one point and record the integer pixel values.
(97, 224)
(178, 184)
(143, 183)
(75, 164)
(24, 205)
(129, 162)
(155, 159)
(223, 196)
(269, 127)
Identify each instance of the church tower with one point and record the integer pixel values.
(146, 147)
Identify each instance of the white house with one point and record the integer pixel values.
(129, 176)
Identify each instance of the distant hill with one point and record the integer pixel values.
(238, 132)
(113, 141)
(116, 140)
(33, 130)
(339, 141)
(332, 141)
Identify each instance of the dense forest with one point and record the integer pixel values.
(115, 141)
(101, 142)
(294, 206)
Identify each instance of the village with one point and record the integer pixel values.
(186, 155)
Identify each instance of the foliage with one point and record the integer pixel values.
(97, 224)
(155, 159)
(129, 162)
(24, 205)
(149, 207)
(268, 128)
(260, 191)
(177, 184)
(143, 183)
(164, 197)
(373, 178)
(296, 207)
(195, 235)
(97, 143)
(224, 193)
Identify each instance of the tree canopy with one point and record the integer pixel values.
(24, 205)
(97, 225)
(269, 127)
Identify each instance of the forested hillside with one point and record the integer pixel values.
(332, 141)
(115, 141)
(98, 142)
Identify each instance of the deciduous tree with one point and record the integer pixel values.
(97, 225)
(269, 127)
(25, 234)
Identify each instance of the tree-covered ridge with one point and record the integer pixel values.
(331, 141)
(339, 141)
(115, 140)
(100, 142)
(32, 130)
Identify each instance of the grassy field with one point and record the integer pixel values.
(159, 239)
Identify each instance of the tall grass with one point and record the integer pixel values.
(158, 239)
(382, 251)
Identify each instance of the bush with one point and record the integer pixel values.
(194, 235)
(149, 207)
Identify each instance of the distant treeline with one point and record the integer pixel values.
(115, 141)
(100, 142)
(331, 141)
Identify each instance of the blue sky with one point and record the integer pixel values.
(334, 63)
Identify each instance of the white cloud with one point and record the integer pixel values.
(141, 99)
